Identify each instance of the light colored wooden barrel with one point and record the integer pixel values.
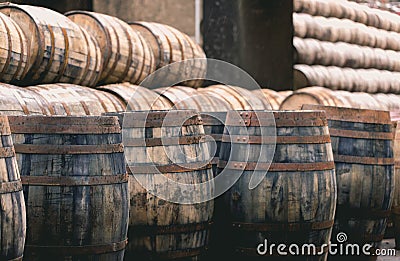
(12, 211)
(137, 98)
(159, 229)
(302, 165)
(362, 143)
(272, 99)
(13, 51)
(126, 55)
(238, 98)
(75, 184)
(169, 45)
(20, 101)
(60, 51)
(67, 99)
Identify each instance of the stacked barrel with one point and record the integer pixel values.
(42, 46)
(342, 45)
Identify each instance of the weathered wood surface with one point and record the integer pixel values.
(298, 192)
(238, 98)
(126, 55)
(169, 45)
(190, 99)
(75, 187)
(328, 97)
(158, 228)
(356, 80)
(137, 98)
(12, 210)
(350, 10)
(20, 101)
(362, 143)
(271, 99)
(59, 50)
(312, 51)
(69, 99)
(13, 51)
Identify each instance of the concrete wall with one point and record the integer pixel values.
(177, 13)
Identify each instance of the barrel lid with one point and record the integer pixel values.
(352, 115)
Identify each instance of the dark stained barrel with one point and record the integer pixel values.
(362, 143)
(296, 200)
(396, 197)
(75, 187)
(159, 229)
(12, 211)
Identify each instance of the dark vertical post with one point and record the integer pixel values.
(255, 35)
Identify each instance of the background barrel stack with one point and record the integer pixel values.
(346, 46)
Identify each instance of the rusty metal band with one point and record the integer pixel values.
(361, 134)
(16, 259)
(79, 250)
(253, 252)
(10, 186)
(172, 168)
(153, 142)
(288, 227)
(273, 167)
(363, 160)
(74, 180)
(7, 152)
(216, 137)
(158, 123)
(278, 123)
(362, 214)
(279, 139)
(396, 164)
(177, 254)
(68, 149)
(170, 229)
(65, 129)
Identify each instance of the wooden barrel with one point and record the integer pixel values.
(137, 98)
(295, 202)
(396, 198)
(68, 99)
(362, 143)
(20, 101)
(75, 186)
(272, 99)
(126, 55)
(60, 51)
(169, 45)
(12, 211)
(238, 98)
(13, 51)
(159, 229)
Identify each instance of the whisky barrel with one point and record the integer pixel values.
(75, 186)
(137, 98)
(13, 51)
(396, 198)
(59, 50)
(68, 99)
(159, 229)
(169, 45)
(20, 101)
(126, 55)
(238, 98)
(295, 202)
(272, 99)
(12, 211)
(362, 143)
